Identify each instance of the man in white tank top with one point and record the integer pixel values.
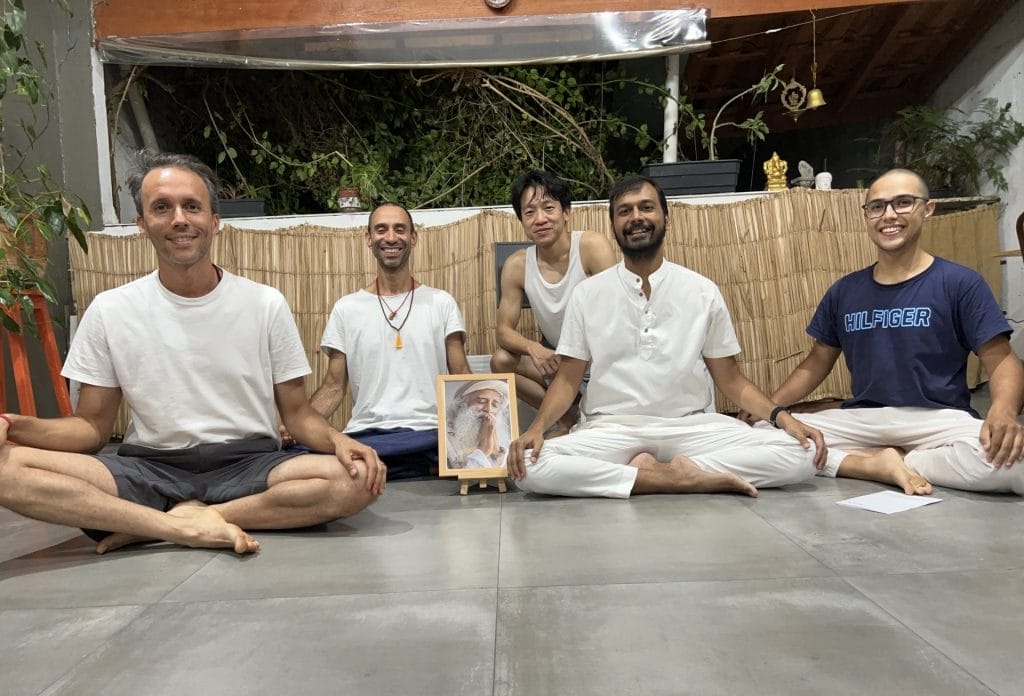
(546, 273)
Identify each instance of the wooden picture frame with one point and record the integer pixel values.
(460, 401)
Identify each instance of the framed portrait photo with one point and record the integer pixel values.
(477, 420)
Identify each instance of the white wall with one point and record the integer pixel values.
(995, 68)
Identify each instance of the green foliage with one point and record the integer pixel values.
(31, 202)
(951, 148)
(424, 138)
(754, 126)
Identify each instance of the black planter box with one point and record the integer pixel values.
(240, 207)
(695, 176)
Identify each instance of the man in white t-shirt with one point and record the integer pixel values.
(390, 341)
(201, 356)
(645, 326)
(546, 274)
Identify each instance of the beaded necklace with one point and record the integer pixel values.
(390, 313)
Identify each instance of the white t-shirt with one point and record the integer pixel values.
(393, 387)
(192, 370)
(646, 357)
(549, 300)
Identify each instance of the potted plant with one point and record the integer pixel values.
(712, 175)
(34, 209)
(952, 149)
(362, 181)
(240, 201)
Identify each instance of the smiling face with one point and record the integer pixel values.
(391, 237)
(894, 232)
(639, 222)
(176, 216)
(543, 217)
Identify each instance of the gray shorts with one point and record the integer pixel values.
(159, 478)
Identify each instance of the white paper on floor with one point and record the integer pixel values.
(888, 502)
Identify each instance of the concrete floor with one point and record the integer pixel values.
(432, 593)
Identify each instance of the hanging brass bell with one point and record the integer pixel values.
(815, 99)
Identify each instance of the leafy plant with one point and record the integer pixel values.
(423, 138)
(695, 126)
(33, 207)
(952, 148)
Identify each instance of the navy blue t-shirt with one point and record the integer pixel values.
(907, 344)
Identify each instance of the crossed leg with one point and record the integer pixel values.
(616, 460)
(77, 490)
(885, 465)
(301, 491)
(894, 445)
(682, 475)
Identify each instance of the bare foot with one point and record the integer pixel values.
(203, 528)
(682, 475)
(693, 479)
(557, 430)
(206, 529)
(565, 424)
(117, 540)
(892, 468)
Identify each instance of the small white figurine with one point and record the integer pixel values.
(806, 178)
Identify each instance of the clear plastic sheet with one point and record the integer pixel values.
(488, 41)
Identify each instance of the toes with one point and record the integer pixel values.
(244, 542)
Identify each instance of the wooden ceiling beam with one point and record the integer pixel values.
(125, 18)
(892, 20)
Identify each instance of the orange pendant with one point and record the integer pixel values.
(398, 341)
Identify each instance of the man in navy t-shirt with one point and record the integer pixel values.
(906, 326)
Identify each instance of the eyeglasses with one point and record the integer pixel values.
(900, 205)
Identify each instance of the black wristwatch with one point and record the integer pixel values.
(775, 414)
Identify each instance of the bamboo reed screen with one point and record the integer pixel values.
(772, 256)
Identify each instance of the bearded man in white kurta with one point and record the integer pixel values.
(648, 327)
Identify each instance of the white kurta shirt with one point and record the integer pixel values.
(646, 356)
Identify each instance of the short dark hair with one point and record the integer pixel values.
(148, 160)
(909, 172)
(630, 183)
(412, 225)
(544, 183)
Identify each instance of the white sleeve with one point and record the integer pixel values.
(287, 354)
(720, 341)
(453, 317)
(573, 340)
(88, 358)
(334, 332)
